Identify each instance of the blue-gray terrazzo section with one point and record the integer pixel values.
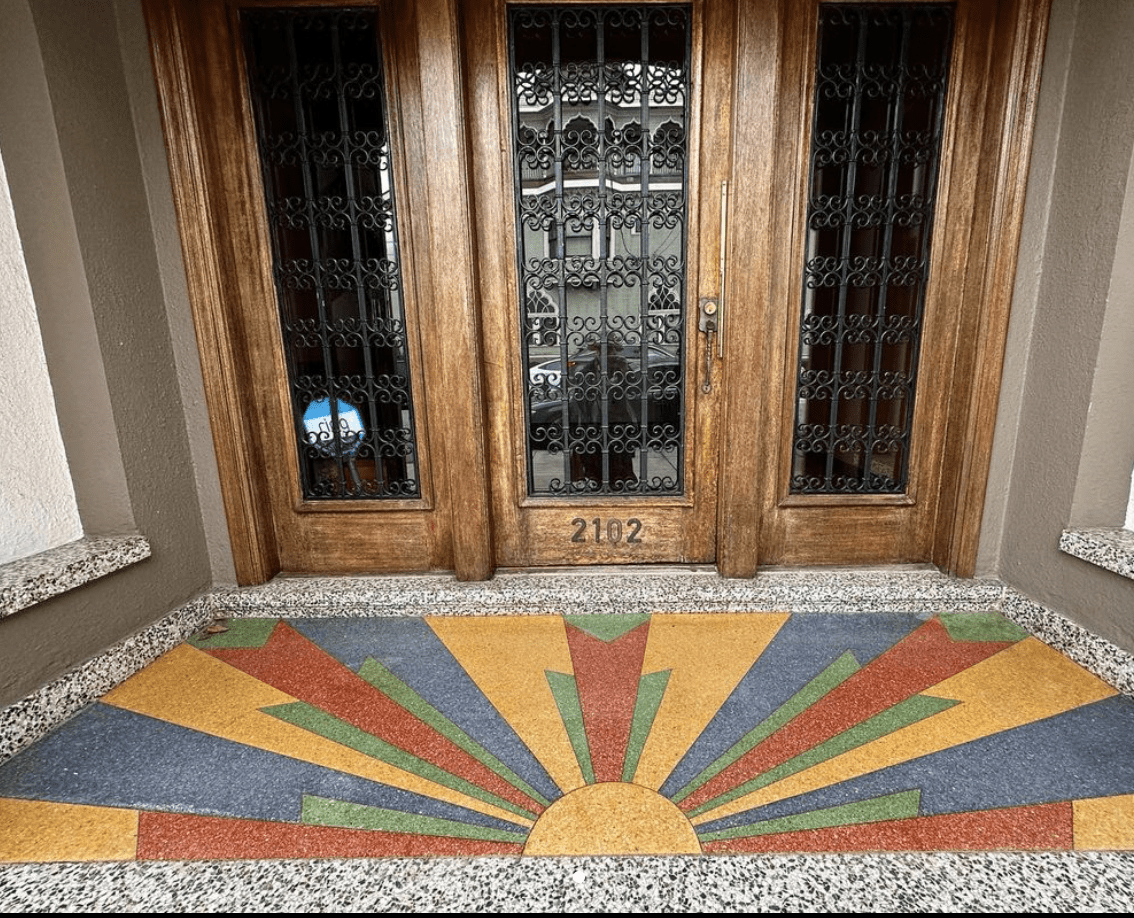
(105, 756)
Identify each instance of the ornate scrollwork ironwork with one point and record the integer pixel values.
(600, 122)
(881, 81)
(317, 91)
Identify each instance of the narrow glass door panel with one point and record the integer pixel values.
(875, 151)
(317, 91)
(600, 119)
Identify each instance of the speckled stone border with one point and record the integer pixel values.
(1112, 549)
(660, 589)
(22, 723)
(25, 582)
(1074, 882)
(1109, 662)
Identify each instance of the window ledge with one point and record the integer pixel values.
(1112, 549)
(31, 580)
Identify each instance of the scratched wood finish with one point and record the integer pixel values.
(446, 63)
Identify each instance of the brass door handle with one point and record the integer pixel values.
(708, 322)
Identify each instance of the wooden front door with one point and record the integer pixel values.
(600, 148)
(822, 341)
(486, 284)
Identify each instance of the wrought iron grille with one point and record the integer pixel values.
(319, 100)
(879, 105)
(600, 116)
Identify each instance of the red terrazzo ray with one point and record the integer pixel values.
(1047, 827)
(607, 676)
(293, 664)
(920, 660)
(175, 836)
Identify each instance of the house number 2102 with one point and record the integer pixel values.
(612, 532)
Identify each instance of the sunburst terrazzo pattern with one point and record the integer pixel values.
(584, 734)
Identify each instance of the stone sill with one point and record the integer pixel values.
(1112, 549)
(28, 581)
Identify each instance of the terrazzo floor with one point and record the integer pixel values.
(529, 736)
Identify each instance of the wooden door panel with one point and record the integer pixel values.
(537, 530)
(199, 62)
(974, 228)
(749, 126)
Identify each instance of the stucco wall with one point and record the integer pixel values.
(78, 130)
(1065, 436)
(37, 501)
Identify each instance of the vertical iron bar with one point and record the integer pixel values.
(356, 244)
(644, 249)
(897, 110)
(604, 288)
(853, 130)
(310, 190)
(522, 272)
(561, 243)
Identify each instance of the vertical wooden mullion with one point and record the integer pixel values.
(183, 84)
(751, 364)
(452, 323)
(1014, 73)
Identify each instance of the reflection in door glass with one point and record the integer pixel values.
(317, 92)
(600, 114)
(875, 150)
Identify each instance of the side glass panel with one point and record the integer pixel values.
(318, 95)
(879, 105)
(600, 118)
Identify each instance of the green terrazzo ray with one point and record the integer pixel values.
(390, 685)
(319, 811)
(651, 690)
(900, 715)
(339, 731)
(902, 805)
(566, 693)
(981, 627)
(832, 677)
(243, 633)
(606, 628)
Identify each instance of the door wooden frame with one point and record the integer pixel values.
(537, 531)
(452, 276)
(220, 213)
(939, 519)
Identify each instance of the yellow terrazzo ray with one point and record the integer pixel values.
(189, 688)
(508, 658)
(707, 655)
(34, 831)
(1104, 823)
(997, 694)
